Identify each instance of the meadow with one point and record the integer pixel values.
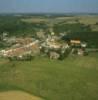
(74, 78)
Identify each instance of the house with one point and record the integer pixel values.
(11, 40)
(54, 55)
(80, 52)
(24, 41)
(83, 44)
(75, 42)
(41, 34)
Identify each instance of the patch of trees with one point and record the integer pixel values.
(78, 31)
(76, 27)
(90, 37)
(14, 26)
(3, 45)
(96, 23)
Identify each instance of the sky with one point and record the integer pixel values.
(48, 6)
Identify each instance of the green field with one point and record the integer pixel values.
(75, 78)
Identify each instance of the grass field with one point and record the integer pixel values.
(75, 78)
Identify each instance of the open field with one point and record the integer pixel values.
(35, 20)
(75, 78)
(86, 20)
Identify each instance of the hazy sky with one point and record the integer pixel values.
(9, 6)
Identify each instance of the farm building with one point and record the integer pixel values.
(78, 47)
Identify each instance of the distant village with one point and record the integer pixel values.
(54, 46)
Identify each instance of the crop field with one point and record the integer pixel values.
(83, 19)
(35, 20)
(86, 20)
(48, 20)
(75, 78)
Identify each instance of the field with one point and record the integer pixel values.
(75, 78)
(17, 95)
(86, 20)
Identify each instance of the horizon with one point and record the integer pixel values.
(51, 13)
(49, 6)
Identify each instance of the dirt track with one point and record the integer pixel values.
(17, 95)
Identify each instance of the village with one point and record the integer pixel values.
(50, 45)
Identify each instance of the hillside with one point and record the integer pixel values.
(74, 26)
(74, 78)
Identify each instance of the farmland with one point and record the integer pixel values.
(28, 25)
(73, 78)
(86, 20)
